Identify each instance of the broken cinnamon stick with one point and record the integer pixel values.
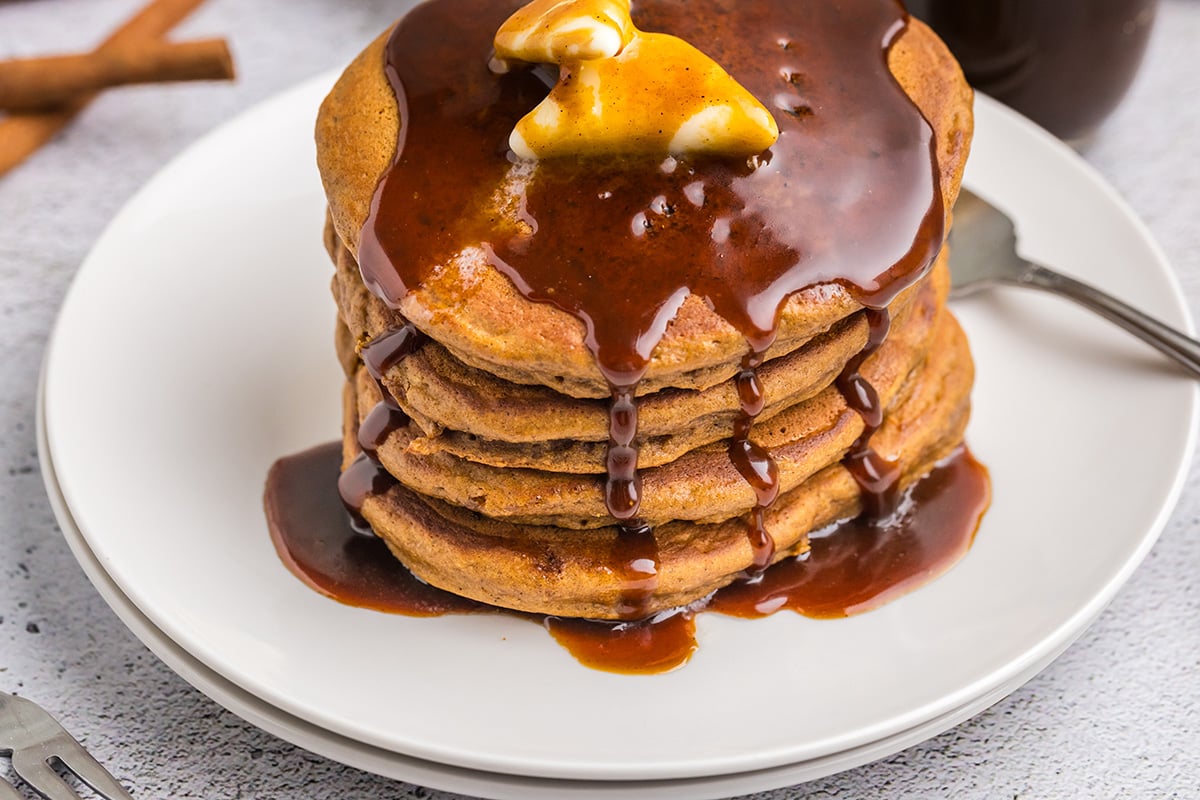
(32, 84)
(23, 134)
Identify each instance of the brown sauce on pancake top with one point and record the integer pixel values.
(851, 567)
(843, 197)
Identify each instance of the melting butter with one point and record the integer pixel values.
(556, 31)
(625, 91)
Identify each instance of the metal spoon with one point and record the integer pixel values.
(983, 252)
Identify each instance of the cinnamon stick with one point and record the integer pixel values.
(32, 84)
(22, 134)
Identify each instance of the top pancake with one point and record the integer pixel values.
(481, 318)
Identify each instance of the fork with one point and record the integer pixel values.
(34, 739)
(983, 252)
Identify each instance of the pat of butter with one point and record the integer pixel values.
(557, 31)
(624, 91)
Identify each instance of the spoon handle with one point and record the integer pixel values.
(1184, 349)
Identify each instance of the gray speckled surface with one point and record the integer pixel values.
(1117, 716)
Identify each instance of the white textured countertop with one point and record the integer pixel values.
(1118, 715)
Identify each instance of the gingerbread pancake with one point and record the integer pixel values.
(476, 312)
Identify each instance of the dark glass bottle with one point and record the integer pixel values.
(1066, 64)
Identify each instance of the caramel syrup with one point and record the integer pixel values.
(843, 197)
(863, 563)
(877, 476)
(754, 463)
(366, 476)
(851, 567)
(314, 538)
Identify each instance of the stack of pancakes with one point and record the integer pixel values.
(500, 464)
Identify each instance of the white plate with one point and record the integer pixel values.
(459, 779)
(195, 347)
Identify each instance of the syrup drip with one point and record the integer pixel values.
(365, 476)
(623, 487)
(851, 568)
(754, 462)
(635, 554)
(635, 559)
(362, 479)
(877, 476)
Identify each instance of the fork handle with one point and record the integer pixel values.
(8, 791)
(1183, 349)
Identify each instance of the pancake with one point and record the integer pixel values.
(367, 316)
(476, 312)
(552, 570)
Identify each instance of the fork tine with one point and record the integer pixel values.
(89, 770)
(8, 791)
(33, 768)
